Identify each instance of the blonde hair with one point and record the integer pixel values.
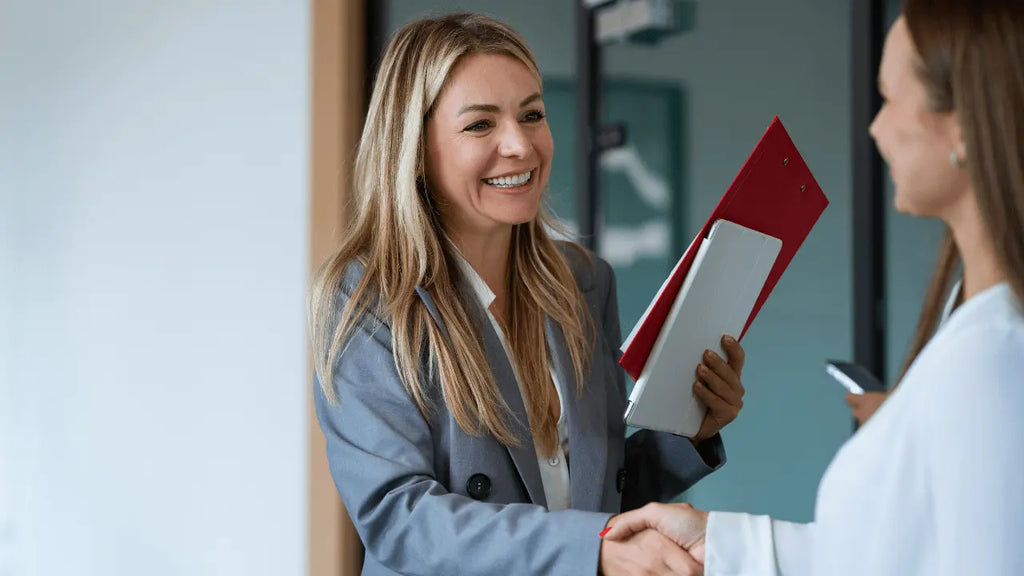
(396, 235)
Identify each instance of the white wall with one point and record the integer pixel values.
(6, 341)
(154, 224)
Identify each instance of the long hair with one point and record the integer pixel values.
(972, 63)
(396, 235)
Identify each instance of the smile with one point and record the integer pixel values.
(510, 181)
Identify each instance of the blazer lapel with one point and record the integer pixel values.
(588, 434)
(524, 455)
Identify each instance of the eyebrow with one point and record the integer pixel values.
(491, 108)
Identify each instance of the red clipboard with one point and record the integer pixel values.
(774, 193)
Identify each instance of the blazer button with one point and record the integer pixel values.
(478, 487)
(620, 480)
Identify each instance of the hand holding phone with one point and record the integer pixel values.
(853, 377)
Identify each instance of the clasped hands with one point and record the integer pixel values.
(655, 540)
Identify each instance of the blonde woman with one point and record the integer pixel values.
(933, 483)
(467, 379)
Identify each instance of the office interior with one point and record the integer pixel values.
(171, 172)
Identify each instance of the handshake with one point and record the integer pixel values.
(656, 539)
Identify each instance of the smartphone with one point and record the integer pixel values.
(853, 377)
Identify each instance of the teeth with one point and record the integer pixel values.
(509, 181)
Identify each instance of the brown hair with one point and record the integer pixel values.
(396, 234)
(971, 61)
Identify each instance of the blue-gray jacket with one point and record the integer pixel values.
(427, 498)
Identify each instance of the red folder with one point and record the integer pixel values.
(775, 194)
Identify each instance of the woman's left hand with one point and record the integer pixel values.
(719, 386)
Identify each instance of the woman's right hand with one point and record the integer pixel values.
(647, 553)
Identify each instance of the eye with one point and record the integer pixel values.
(478, 126)
(534, 116)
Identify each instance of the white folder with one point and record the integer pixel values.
(716, 298)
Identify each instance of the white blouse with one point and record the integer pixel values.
(554, 471)
(932, 484)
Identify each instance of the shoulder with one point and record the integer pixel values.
(991, 351)
(972, 371)
(590, 271)
(984, 337)
(966, 396)
(348, 291)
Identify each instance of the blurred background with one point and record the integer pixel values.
(171, 171)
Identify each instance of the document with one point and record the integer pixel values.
(775, 194)
(717, 295)
(761, 221)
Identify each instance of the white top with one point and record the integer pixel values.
(554, 471)
(932, 484)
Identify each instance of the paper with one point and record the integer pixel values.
(728, 273)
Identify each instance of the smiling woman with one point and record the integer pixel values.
(464, 358)
(488, 147)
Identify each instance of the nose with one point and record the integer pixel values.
(514, 142)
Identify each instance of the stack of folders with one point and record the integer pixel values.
(720, 283)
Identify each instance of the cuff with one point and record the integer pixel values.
(686, 462)
(712, 452)
(736, 544)
(587, 537)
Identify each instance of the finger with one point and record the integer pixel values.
(723, 411)
(679, 561)
(737, 356)
(723, 370)
(628, 523)
(718, 385)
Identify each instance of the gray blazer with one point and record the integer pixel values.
(427, 498)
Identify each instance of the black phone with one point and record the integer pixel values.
(853, 377)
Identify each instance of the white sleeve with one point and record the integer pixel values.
(973, 426)
(743, 544)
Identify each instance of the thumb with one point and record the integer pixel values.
(626, 524)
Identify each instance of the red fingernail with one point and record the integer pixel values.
(605, 531)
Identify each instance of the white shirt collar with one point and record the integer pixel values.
(951, 301)
(480, 288)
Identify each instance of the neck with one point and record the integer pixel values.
(981, 266)
(487, 252)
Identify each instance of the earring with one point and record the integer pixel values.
(954, 159)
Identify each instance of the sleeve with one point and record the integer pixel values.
(973, 428)
(381, 455)
(738, 544)
(659, 466)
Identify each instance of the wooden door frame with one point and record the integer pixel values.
(337, 103)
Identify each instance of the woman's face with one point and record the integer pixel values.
(488, 146)
(914, 141)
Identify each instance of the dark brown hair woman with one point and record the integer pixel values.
(934, 482)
